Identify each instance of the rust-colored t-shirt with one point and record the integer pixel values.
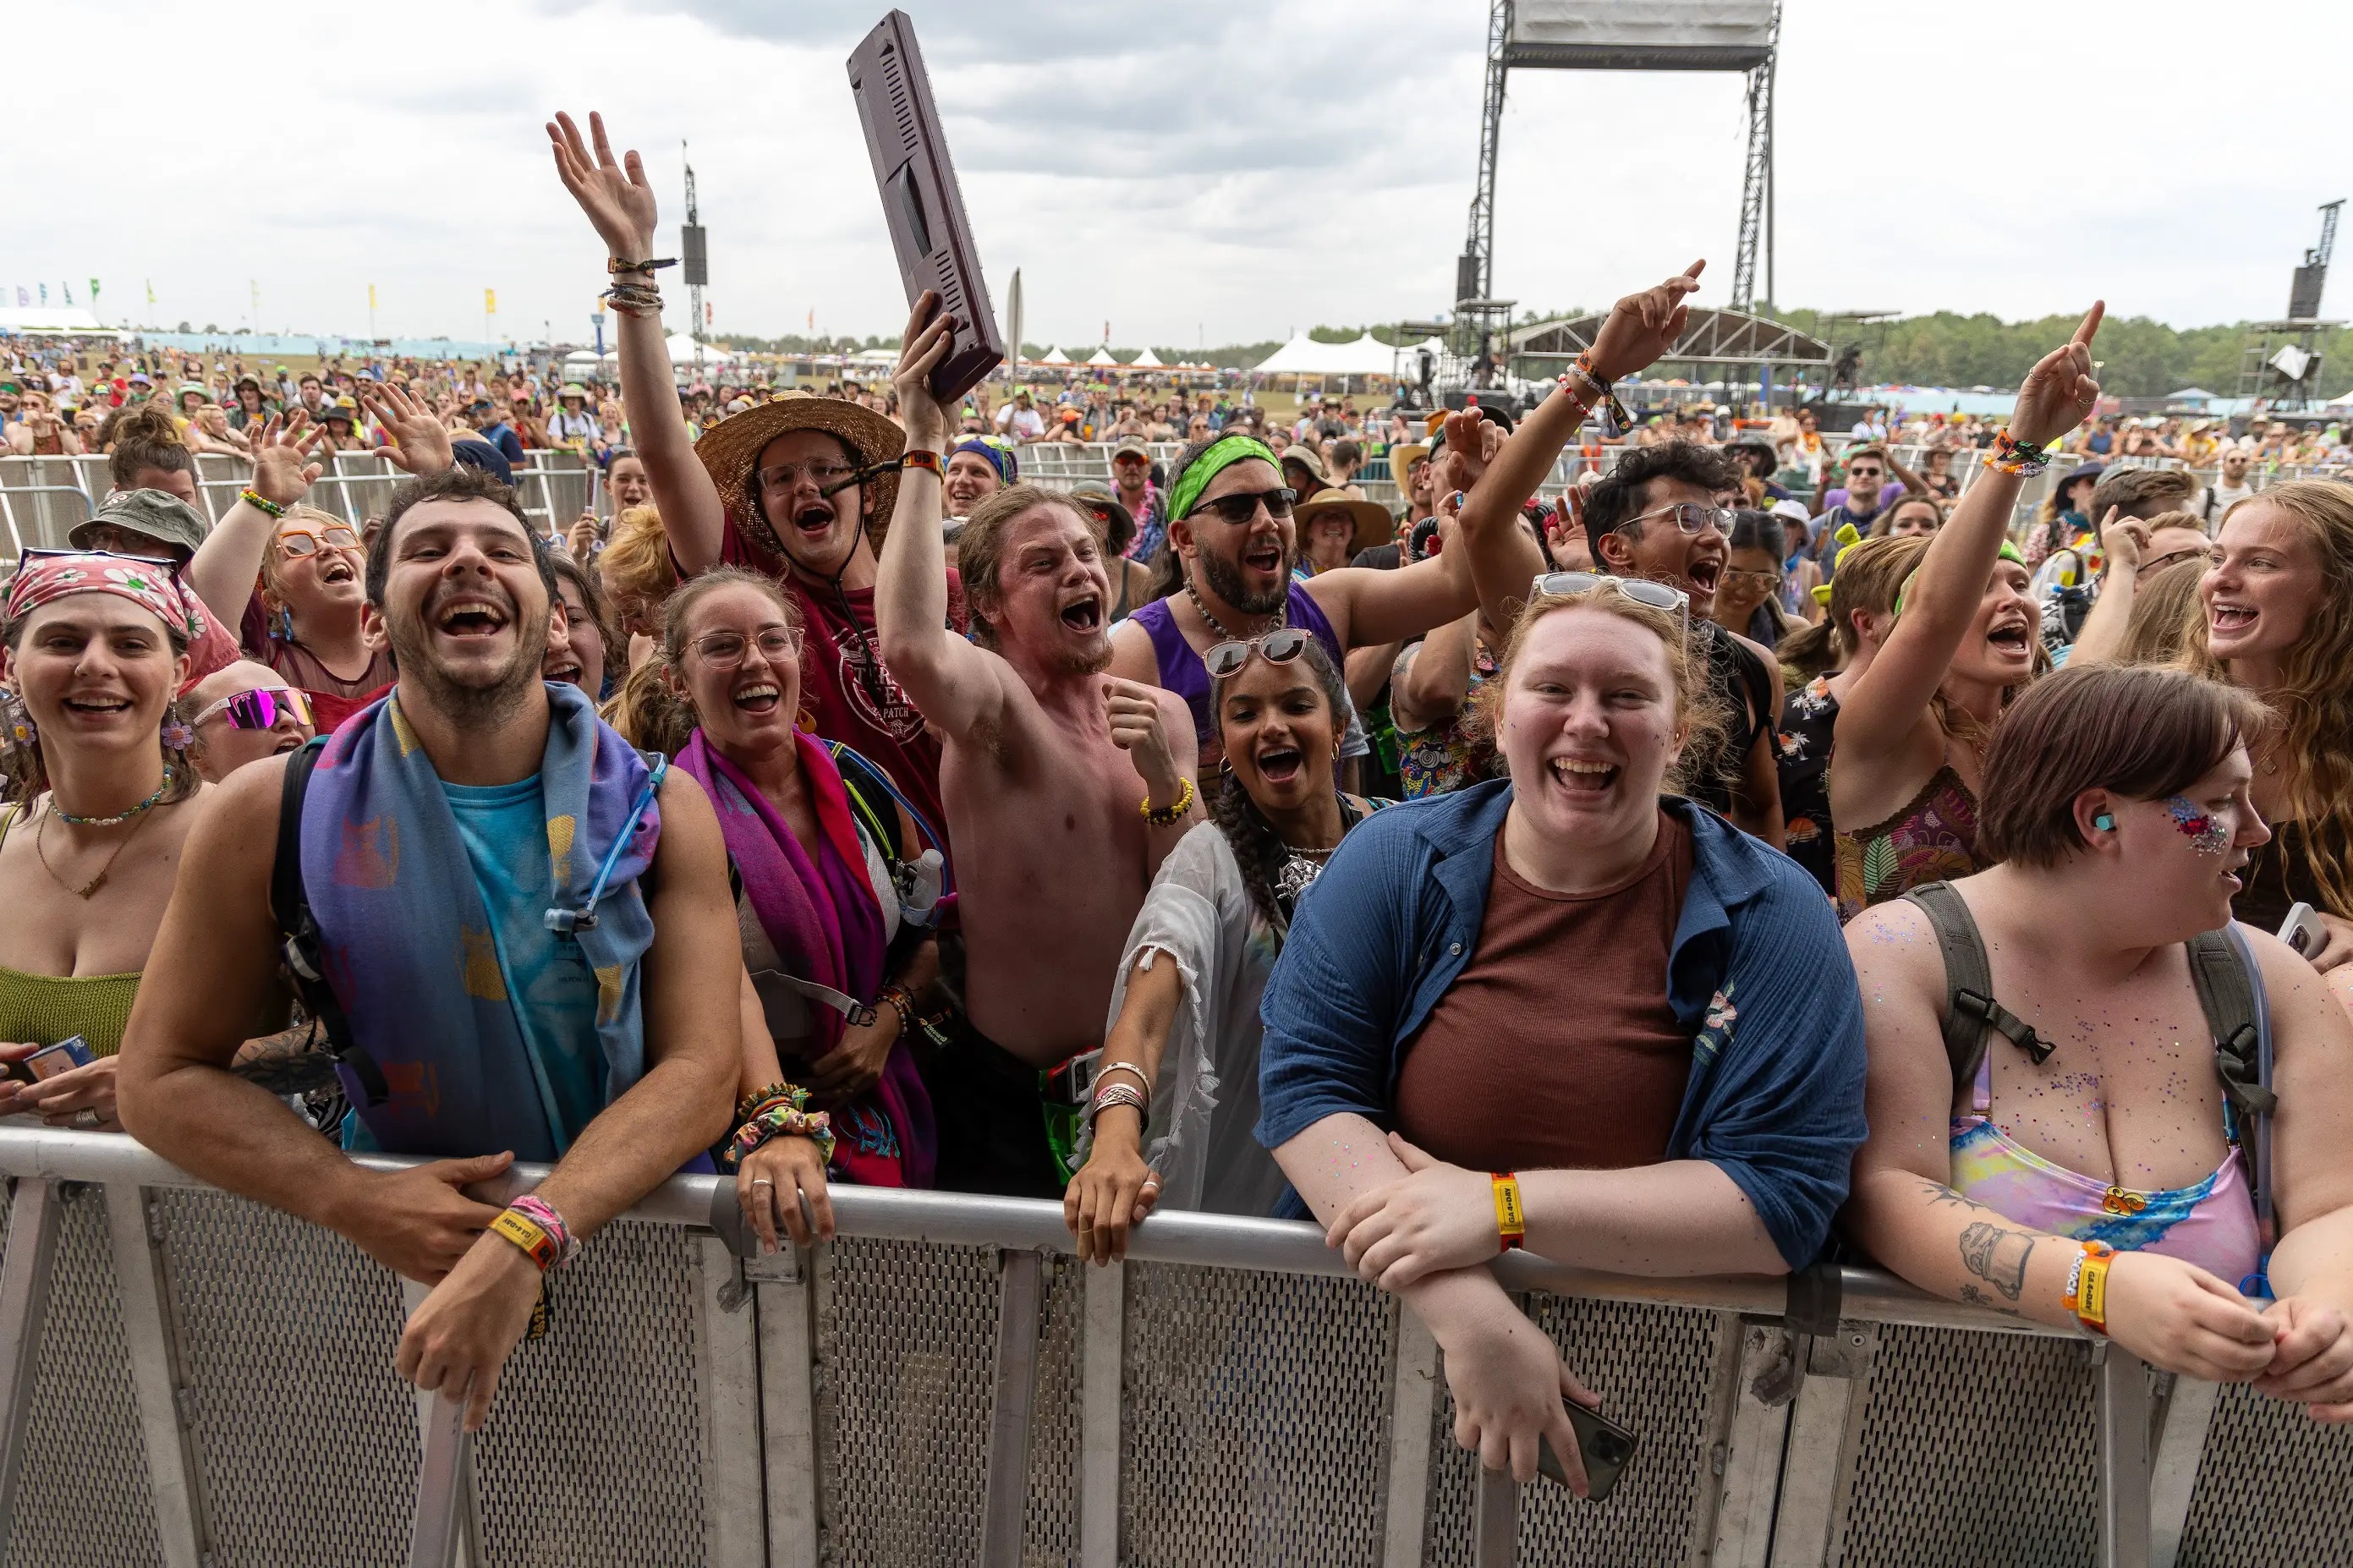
(1555, 1048)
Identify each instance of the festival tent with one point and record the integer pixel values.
(1303, 355)
(2197, 395)
(1053, 356)
(1148, 359)
(682, 351)
(1101, 356)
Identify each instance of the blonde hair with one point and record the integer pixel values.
(271, 588)
(1697, 708)
(1871, 573)
(2166, 614)
(2314, 701)
(635, 565)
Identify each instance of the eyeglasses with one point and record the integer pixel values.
(297, 541)
(1690, 516)
(1641, 590)
(2162, 562)
(1764, 580)
(1239, 509)
(259, 709)
(785, 476)
(726, 651)
(1280, 646)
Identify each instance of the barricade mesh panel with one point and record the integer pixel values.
(82, 1496)
(1976, 1448)
(1256, 1418)
(1049, 1531)
(594, 1449)
(305, 1436)
(906, 1348)
(1652, 1366)
(2275, 1486)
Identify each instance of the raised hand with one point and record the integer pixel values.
(1642, 327)
(2059, 391)
(1138, 728)
(283, 472)
(420, 443)
(931, 332)
(614, 194)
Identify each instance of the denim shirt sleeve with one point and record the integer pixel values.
(1784, 1115)
(1331, 1006)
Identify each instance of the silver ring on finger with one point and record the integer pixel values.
(88, 1121)
(762, 1182)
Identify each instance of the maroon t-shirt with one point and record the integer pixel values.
(847, 694)
(1555, 1048)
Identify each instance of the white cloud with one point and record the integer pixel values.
(1183, 171)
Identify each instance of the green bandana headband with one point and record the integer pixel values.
(1222, 455)
(2007, 552)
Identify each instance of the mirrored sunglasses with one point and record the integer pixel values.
(1278, 646)
(259, 709)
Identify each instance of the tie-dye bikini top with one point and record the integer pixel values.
(2211, 1224)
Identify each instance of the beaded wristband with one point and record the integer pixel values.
(752, 1102)
(780, 1115)
(1170, 816)
(1511, 1218)
(1119, 1094)
(261, 502)
(901, 1002)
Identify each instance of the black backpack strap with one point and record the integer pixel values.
(1969, 1007)
(304, 947)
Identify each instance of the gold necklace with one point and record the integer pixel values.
(40, 847)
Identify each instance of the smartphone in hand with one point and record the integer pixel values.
(1604, 1444)
(2303, 932)
(71, 1052)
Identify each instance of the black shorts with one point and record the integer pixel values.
(991, 1113)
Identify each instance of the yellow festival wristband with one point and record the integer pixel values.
(1511, 1218)
(2087, 1286)
(536, 1244)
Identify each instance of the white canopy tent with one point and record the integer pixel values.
(682, 351)
(1101, 356)
(1148, 359)
(1054, 356)
(1366, 355)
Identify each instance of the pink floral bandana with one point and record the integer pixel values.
(45, 578)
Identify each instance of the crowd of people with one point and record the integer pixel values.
(1705, 872)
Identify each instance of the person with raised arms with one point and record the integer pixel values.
(1068, 790)
(794, 489)
(519, 925)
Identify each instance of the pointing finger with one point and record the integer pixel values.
(2092, 320)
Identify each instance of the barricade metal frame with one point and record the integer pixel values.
(944, 1383)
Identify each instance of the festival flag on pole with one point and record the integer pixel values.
(45, 293)
(68, 292)
(93, 291)
(150, 290)
(371, 295)
(812, 320)
(707, 316)
(24, 295)
(489, 301)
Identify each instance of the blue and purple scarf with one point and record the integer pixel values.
(823, 917)
(407, 943)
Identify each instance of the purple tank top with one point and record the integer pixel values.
(1182, 671)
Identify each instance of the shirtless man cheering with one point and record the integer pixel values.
(1063, 789)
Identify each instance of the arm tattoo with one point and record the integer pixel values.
(287, 1062)
(1998, 1257)
(1938, 1195)
(1977, 1298)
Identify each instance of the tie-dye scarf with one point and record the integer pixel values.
(408, 945)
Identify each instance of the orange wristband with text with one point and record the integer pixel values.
(1511, 1219)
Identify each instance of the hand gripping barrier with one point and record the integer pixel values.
(187, 1378)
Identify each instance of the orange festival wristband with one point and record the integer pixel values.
(1511, 1218)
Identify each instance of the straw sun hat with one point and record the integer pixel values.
(730, 449)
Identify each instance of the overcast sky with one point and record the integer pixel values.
(1186, 173)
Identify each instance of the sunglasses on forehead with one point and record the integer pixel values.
(1641, 590)
(1278, 646)
(259, 709)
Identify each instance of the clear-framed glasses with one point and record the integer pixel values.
(1763, 581)
(1641, 590)
(259, 709)
(821, 473)
(303, 540)
(726, 651)
(1690, 516)
(1280, 646)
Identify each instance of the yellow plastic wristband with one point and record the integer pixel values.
(1172, 815)
(2087, 1286)
(536, 1244)
(1511, 1218)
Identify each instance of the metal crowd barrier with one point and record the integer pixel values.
(190, 1379)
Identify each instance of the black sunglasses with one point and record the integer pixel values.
(1240, 509)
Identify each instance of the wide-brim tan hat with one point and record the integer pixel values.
(1374, 523)
(1403, 457)
(730, 449)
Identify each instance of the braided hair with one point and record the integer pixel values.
(1258, 848)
